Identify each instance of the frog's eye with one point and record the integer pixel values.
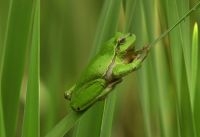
(120, 41)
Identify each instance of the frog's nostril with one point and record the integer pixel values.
(78, 109)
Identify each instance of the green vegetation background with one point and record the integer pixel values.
(45, 45)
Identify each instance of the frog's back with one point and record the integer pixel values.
(99, 64)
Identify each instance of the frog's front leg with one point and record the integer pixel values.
(68, 93)
(121, 70)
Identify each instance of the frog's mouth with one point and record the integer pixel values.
(130, 48)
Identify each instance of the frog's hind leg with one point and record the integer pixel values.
(85, 96)
(108, 89)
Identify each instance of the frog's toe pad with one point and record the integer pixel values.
(67, 96)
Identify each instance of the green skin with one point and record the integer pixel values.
(116, 59)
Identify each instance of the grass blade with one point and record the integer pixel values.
(139, 20)
(194, 63)
(159, 100)
(2, 128)
(181, 38)
(64, 125)
(148, 74)
(176, 58)
(108, 114)
(16, 38)
(99, 114)
(182, 8)
(186, 116)
(164, 82)
(195, 70)
(31, 114)
(3, 18)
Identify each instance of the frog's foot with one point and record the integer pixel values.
(144, 49)
(142, 53)
(68, 93)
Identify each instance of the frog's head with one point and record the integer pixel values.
(125, 42)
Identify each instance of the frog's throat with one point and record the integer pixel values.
(108, 75)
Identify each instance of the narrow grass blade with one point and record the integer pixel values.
(171, 17)
(31, 111)
(186, 116)
(167, 107)
(144, 92)
(68, 122)
(108, 22)
(176, 51)
(57, 58)
(4, 7)
(100, 113)
(130, 8)
(65, 125)
(2, 52)
(108, 115)
(16, 38)
(194, 63)
(149, 93)
(182, 8)
(195, 70)
(2, 127)
(160, 97)
(183, 108)
(105, 119)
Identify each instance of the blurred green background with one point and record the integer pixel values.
(161, 99)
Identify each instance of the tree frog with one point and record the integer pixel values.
(116, 58)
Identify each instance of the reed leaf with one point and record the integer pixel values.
(100, 116)
(31, 112)
(16, 40)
